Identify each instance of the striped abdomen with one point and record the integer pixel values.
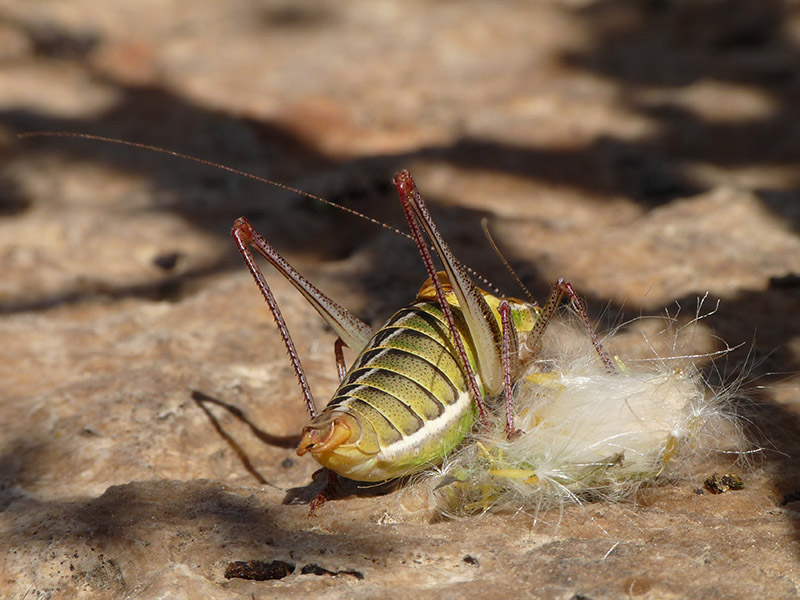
(404, 402)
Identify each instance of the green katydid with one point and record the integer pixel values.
(418, 383)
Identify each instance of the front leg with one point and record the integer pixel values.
(327, 493)
(509, 335)
(561, 288)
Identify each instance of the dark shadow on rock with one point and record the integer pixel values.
(21, 457)
(604, 168)
(170, 288)
(50, 39)
(90, 541)
(673, 43)
(295, 15)
(13, 201)
(344, 488)
(288, 441)
(279, 441)
(668, 44)
(770, 318)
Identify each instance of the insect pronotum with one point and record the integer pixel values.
(417, 385)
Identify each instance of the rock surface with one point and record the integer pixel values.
(647, 152)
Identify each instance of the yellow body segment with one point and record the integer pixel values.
(405, 401)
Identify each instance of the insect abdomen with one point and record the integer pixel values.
(409, 394)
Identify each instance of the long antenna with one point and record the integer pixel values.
(506, 264)
(221, 167)
(209, 163)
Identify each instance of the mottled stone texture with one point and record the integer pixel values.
(646, 151)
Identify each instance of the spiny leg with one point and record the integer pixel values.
(409, 195)
(482, 326)
(327, 493)
(577, 303)
(245, 236)
(354, 332)
(560, 288)
(508, 334)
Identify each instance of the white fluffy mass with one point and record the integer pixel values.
(587, 433)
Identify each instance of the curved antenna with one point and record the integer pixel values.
(210, 163)
(506, 264)
(240, 173)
